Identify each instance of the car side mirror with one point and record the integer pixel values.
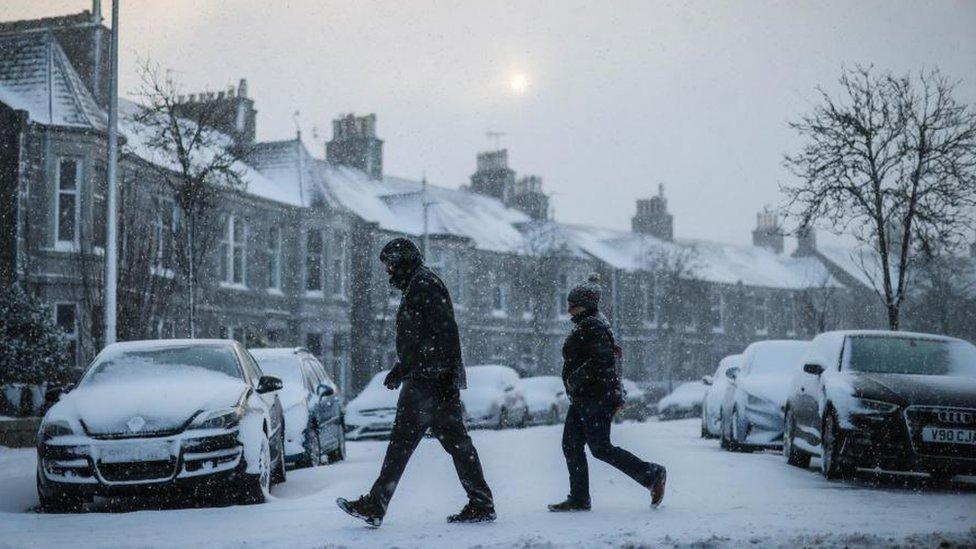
(732, 373)
(325, 390)
(813, 369)
(707, 380)
(54, 394)
(269, 384)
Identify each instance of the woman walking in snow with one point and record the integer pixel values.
(593, 385)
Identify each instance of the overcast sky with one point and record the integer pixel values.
(604, 100)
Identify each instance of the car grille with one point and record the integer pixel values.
(919, 418)
(137, 471)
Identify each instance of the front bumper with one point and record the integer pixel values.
(372, 429)
(119, 467)
(895, 442)
(764, 426)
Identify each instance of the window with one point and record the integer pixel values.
(274, 258)
(69, 174)
(762, 315)
(562, 291)
(164, 228)
(716, 311)
(313, 342)
(499, 298)
(338, 283)
(650, 303)
(233, 252)
(66, 318)
(99, 207)
(313, 260)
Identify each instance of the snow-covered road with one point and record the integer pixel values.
(715, 497)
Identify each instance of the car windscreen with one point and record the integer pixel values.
(129, 363)
(908, 355)
(287, 369)
(777, 359)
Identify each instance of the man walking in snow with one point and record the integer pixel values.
(593, 385)
(432, 373)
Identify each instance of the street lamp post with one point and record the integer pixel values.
(111, 248)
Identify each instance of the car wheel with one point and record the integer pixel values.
(56, 501)
(554, 415)
(339, 453)
(724, 439)
(313, 448)
(794, 456)
(832, 464)
(502, 419)
(704, 426)
(735, 437)
(278, 473)
(255, 487)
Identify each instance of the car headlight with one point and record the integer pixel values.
(753, 400)
(56, 428)
(227, 418)
(867, 406)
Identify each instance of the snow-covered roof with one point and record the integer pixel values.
(294, 172)
(710, 261)
(396, 204)
(36, 76)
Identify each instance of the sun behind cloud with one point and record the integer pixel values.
(518, 83)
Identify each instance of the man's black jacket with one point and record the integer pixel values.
(427, 340)
(589, 365)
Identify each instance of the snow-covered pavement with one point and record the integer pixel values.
(714, 497)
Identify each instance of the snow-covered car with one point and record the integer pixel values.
(494, 398)
(752, 410)
(635, 403)
(685, 401)
(370, 415)
(546, 398)
(188, 416)
(716, 386)
(895, 400)
(314, 428)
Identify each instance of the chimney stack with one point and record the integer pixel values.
(768, 233)
(806, 242)
(653, 218)
(354, 144)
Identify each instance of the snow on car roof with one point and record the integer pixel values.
(275, 352)
(164, 343)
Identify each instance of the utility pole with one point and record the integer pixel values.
(111, 250)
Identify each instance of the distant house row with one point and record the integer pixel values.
(295, 261)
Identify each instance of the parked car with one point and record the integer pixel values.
(635, 405)
(715, 387)
(195, 416)
(752, 410)
(685, 401)
(494, 398)
(546, 398)
(314, 425)
(370, 415)
(895, 400)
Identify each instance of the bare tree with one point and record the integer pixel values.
(674, 273)
(944, 297)
(816, 302)
(544, 250)
(198, 162)
(891, 162)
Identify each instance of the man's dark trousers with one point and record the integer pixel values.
(588, 423)
(424, 405)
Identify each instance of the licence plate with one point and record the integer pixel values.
(125, 453)
(945, 435)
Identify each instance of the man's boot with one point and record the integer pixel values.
(363, 508)
(473, 513)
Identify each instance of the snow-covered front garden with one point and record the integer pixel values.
(714, 497)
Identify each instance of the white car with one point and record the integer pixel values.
(547, 400)
(494, 398)
(716, 386)
(371, 413)
(754, 404)
(684, 401)
(312, 405)
(186, 416)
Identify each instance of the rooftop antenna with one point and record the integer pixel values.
(296, 118)
(495, 138)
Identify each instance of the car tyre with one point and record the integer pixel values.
(339, 453)
(832, 440)
(554, 416)
(313, 448)
(733, 444)
(794, 456)
(502, 419)
(57, 501)
(255, 487)
(278, 473)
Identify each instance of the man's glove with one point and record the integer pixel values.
(393, 379)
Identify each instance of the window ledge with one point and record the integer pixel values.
(233, 286)
(275, 291)
(762, 332)
(64, 246)
(718, 330)
(496, 313)
(162, 272)
(314, 294)
(650, 325)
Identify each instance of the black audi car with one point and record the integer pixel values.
(892, 400)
